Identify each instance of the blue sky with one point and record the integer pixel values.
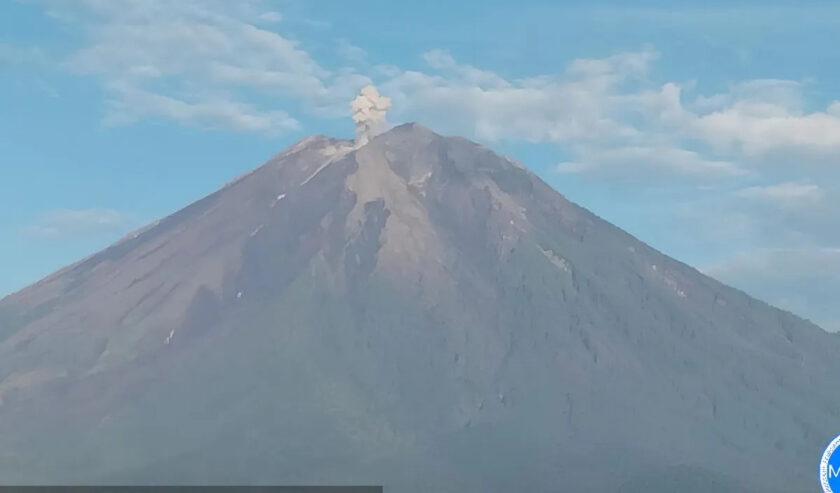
(710, 130)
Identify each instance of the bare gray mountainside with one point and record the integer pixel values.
(418, 312)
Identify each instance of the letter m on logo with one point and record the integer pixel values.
(832, 472)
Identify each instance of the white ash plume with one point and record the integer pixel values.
(369, 109)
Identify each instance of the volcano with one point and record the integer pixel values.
(417, 312)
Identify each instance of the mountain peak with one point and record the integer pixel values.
(318, 141)
(412, 127)
(418, 303)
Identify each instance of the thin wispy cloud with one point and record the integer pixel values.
(790, 194)
(15, 55)
(271, 16)
(69, 223)
(635, 159)
(200, 64)
(130, 104)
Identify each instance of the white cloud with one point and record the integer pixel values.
(791, 194)
(351, 52)
(610, 104)
(755, 120)
(131, 104)
(635, 159)
(468, 75)
(198, 63)
(210, 64)
(63, 223)
(616, 67)
(439, 59)
(12, 54)
(757, 129)
(271, 17)
(577, 106)
(783, 93)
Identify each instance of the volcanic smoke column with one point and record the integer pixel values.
(369, 109)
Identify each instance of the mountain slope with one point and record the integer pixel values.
(418, 312)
